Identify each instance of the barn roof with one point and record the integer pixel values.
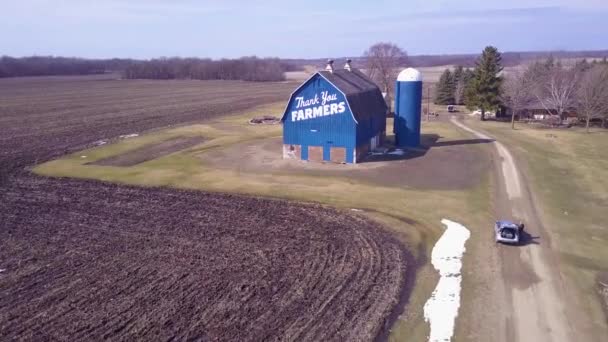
(363, 95)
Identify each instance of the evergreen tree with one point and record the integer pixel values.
(468, 75)
(444, 93)
(458, 73)
(484, 91)
(459, 84)
(469, 90)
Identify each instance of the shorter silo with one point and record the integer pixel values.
(408, 105)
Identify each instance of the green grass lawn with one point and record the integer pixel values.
(413, 214)
(568, 170)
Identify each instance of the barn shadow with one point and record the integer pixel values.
(427, 142)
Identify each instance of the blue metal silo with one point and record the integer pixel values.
(408, 104)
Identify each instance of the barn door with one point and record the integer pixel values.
(327, 151)
(304, 154)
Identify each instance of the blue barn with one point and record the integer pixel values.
(336, 115)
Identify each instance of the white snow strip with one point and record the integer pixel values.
(441, 310)
(397, 152)
(127, 136)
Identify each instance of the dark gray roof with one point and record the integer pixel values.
(363, 95)
(537, 105)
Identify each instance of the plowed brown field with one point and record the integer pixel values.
(84, 260)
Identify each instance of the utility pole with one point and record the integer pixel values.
(428, 103)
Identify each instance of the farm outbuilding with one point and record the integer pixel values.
(336, 115)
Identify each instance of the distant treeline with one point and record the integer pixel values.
(508, 58)
(51, 66)
(465, 60)
(246, 69)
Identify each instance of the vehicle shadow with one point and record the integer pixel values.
(427, 142)
(526, 239)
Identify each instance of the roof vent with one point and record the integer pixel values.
(348, 65)
(330, 65)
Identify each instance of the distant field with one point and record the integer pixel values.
(297, 76)
(43, 117)
(432, 74)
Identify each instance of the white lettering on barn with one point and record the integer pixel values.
(324, 108)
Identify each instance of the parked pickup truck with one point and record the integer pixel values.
(508, 232)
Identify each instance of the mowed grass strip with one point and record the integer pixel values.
(568, 169)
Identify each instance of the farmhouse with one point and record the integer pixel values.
(536, 111)
(336, 115)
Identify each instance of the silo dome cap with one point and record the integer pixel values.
(409, 75)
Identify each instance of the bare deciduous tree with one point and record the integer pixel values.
(515, 92)
(383, 62)
(593, 94)
(555, 87)
(245, 68)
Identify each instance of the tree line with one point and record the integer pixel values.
(452, 85)
(545, 84)
(560, 89)
(246, 68)
(52, 66)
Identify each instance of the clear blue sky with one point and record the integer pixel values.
(304, 29)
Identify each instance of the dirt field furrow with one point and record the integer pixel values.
(86, 260)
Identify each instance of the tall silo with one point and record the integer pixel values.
(408, 105)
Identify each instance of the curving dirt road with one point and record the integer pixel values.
(531, 298)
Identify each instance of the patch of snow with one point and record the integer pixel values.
(127, 136)
(100, 142)
(357, 210)
(83, 156)
(397, 152)
(2, 270)
(441, 309)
